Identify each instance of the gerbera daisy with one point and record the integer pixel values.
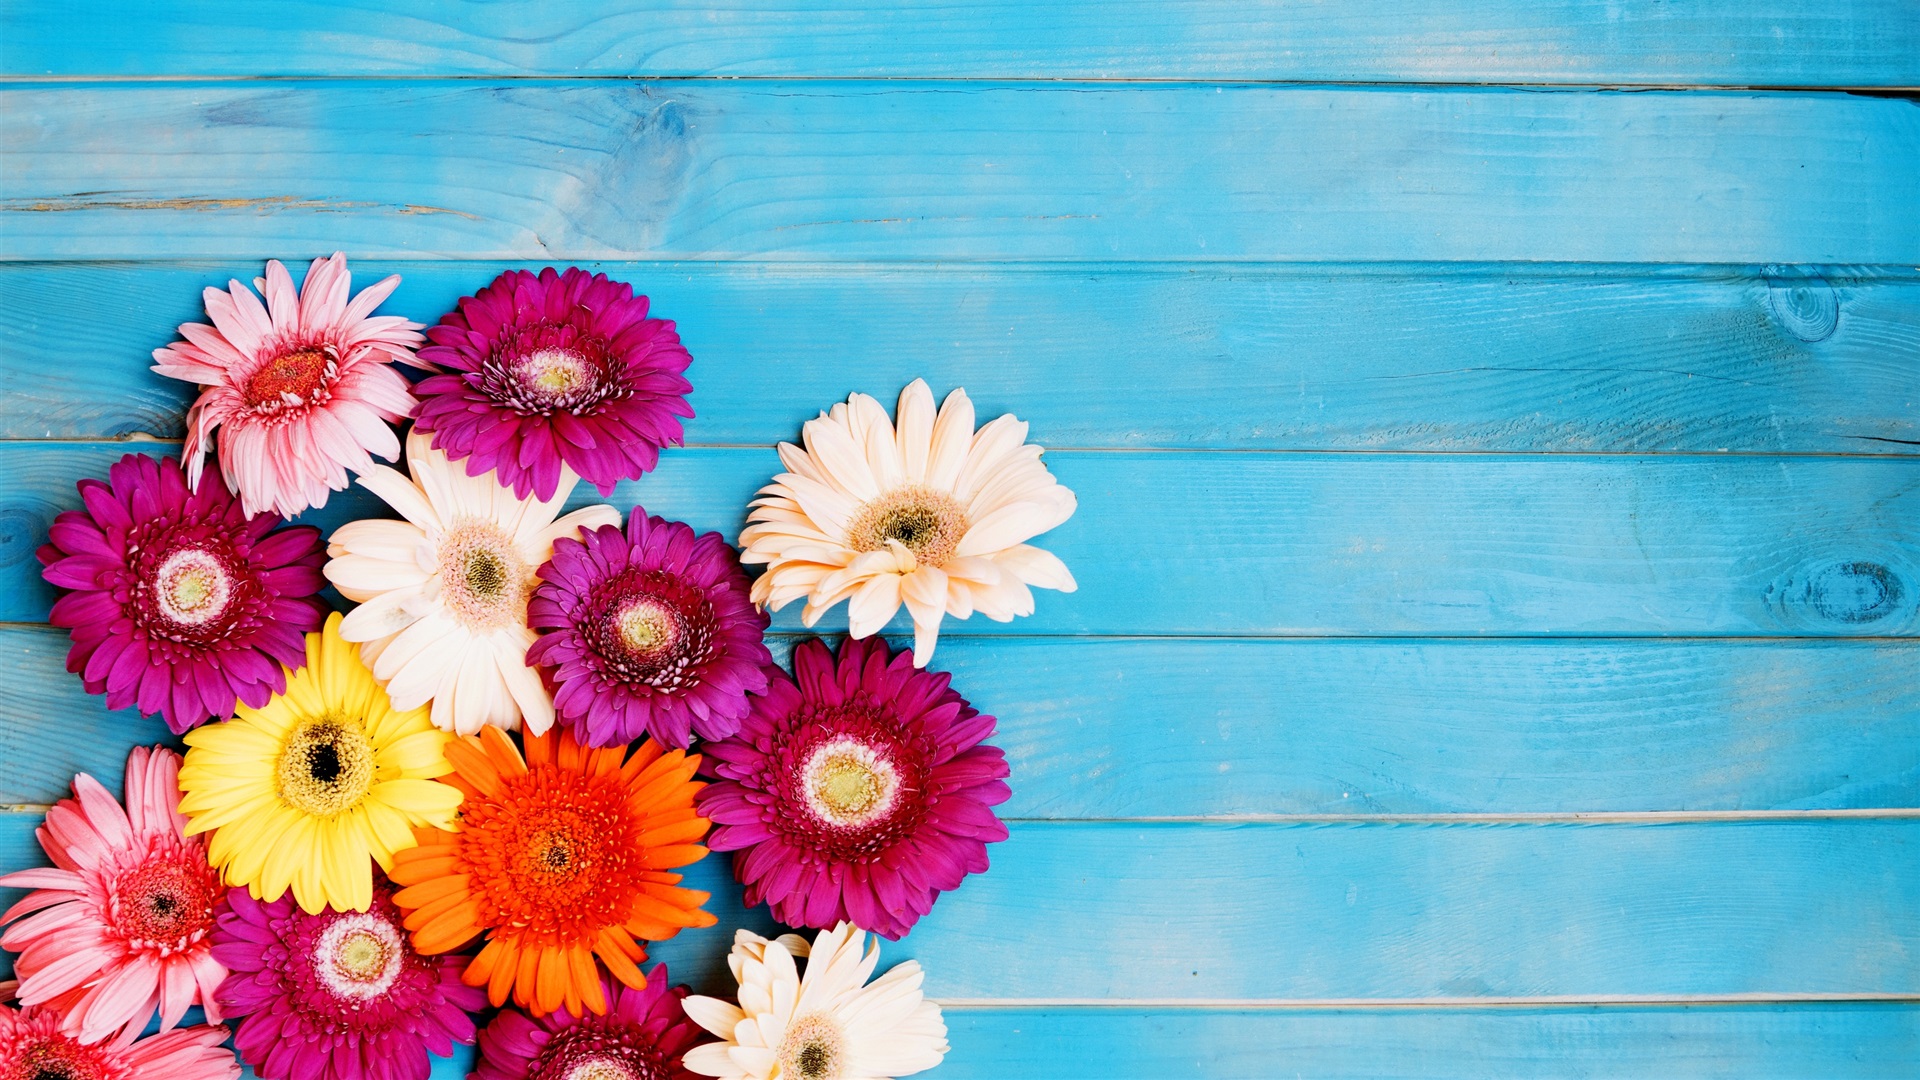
(649, 631)
(857, 789)
(180, 604)
(33, 1047)
(298, 794)
(338, 995)
(927, 512)
(121, 920)
(829, 1024)
(300, 388)
(559, 368)
(558, 858)
(641, 1037)
(443, 594)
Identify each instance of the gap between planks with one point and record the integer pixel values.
(1463, 1003)
(1565, 817)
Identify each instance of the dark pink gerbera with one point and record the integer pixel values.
(180, 603)
(643, 1036)
(648, 631)
(559, 368)
(858, 789)
(338, 995)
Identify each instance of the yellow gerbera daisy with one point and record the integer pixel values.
(315, 781)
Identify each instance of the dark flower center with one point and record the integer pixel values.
(648, 628)
(290, 379)
(485, 576)
(929, 523)
(166, 902)
(323, 762)
(325, 766)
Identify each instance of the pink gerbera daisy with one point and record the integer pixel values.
(181, 604)
(119, 925)
(301, 388)
(338, 995)
(559, 368)
(33, 1047)
(648, 631)
(643, 1036)
(858, 790)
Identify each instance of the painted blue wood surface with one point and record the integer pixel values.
(1310, 544)
(1355, 357)
(1156, 727)
(1317, 656)
(1731, 42)
(832, 170)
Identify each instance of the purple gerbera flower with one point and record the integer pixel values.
(559, 368)
(858, 789)
(643, 1036)
(180, 603)
(647, 631)
(338, 995)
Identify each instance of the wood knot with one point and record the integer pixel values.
(1849, 592)
(1803, 304)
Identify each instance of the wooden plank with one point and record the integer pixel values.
(1833, 1041)
(1727, 42)
(1367, 544)
(1186, 912)
(1112, 728)
(955, 172)
(1411, 357)
(1766, 1042)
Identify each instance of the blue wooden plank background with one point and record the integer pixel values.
(1500, 519)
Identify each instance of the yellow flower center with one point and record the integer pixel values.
(192, 587)
(929, 523)
(847, 783)
(325, 766)
(359, 955)
(642, 626)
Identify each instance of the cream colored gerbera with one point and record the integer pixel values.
(829, 1024)
(443, 594)
(924, 511)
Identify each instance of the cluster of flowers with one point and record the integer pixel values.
(355, 858)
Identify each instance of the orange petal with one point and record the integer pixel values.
(474, 767)
(539, 747)
(500, 751)
(447, 930)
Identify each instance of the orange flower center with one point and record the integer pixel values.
(553, 854)
(291, 378)
(927, 522)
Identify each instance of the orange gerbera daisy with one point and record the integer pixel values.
(557, 858)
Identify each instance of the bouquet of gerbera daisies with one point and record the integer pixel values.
(458, 811)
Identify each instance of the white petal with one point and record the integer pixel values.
(403, 495)
(713, 1014)
(1037, 567)
(360, 577)
(952, 438)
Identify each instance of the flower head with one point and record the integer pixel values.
(857, 789)
(829, 1024)
(558, 369)
(300, 388)
(325, 779)
(338, 995)
(649, 631)
(641, 1037)
(923, 511)
(558, 857)
(34, 1046)
(118, 927)
(443, 594)
(180, 603)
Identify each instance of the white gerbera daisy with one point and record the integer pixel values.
(828, 1024)
(443, 594)
(923, 511)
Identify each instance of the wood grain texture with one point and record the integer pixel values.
(955, 172)
(1832, 1041)
(1308, 544)
(1772, 43)
(1392, 911)
(1348, 357)
(1180, 728)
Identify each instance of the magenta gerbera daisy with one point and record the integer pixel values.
(642, 1036)
(338, 995)
(119, 926)
(181, 604)
(859, 789)
(552, 369)
(33, 1047)
(648, 631)
(300, 388)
